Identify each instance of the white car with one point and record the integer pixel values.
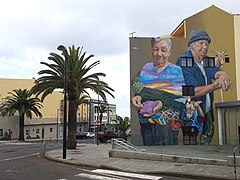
(90, 134)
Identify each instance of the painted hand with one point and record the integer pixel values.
(136, 102)
(223, 80)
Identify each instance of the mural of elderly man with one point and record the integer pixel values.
(205, 79)
(158, 100)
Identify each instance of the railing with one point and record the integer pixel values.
(122, 144)
(234, 161)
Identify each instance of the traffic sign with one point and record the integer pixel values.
(118, 123)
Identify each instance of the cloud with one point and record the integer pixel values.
(30, 30)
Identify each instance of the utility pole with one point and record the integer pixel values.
(64, 52)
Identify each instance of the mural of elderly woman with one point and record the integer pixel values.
(158, 89)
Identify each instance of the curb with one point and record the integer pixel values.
(165, 173)
(165, 157)
(71, 162)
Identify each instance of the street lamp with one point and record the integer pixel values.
(92, 118)
(98, 110)
(64, 52)
(57, 123)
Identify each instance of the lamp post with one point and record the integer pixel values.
(98, 119)
(57, 124)
(98, 111)
(64, 52)
(94, 126)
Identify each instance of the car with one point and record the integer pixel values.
(91, 135)
(106, 135)
(81, 135)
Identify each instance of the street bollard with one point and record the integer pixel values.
(234, 162)
(43, 150)
(113, 143)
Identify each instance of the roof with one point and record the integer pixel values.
(180, 30)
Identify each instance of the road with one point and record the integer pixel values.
(23, 161)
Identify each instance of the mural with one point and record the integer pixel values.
(157, 96)
(206, 78)
(159, 86)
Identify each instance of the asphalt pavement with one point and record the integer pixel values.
(193, 161)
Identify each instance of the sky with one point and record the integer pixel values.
(31, 29)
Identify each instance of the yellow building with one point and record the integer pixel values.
(35, 126)
(224, 30)
(52, 121)
(50, 126)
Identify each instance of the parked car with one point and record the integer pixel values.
(91, 135)
(81, 135)
(105, 136)
(88, 134)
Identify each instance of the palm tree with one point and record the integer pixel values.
(102, 109)
(124, 125)
(79, 80)
(20, 101)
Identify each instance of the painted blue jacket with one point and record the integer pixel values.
(194, 77)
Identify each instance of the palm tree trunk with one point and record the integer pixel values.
(71, 140)
(21, 128)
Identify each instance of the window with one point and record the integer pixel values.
(61, 104)
(33, 130)
(37, 131)
(79, 115)
(96, 109)
(27, 132)
(51, 129)
(227, 59)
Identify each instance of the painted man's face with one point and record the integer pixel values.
(201, 48)
(160, 52)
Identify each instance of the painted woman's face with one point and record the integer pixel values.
(161, 53)
(200, 48)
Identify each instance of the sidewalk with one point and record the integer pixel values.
(98, 156)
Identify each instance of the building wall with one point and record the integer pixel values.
(50, 104)
(231, 122)
(83, 117)
(43, 131)
(237, 52)
(93, 116)
(49, 110)
(52, 112)
(10, 123)
(140, 54)
(111, 115)
(220, 26)
(7, 85)
(223, 29)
